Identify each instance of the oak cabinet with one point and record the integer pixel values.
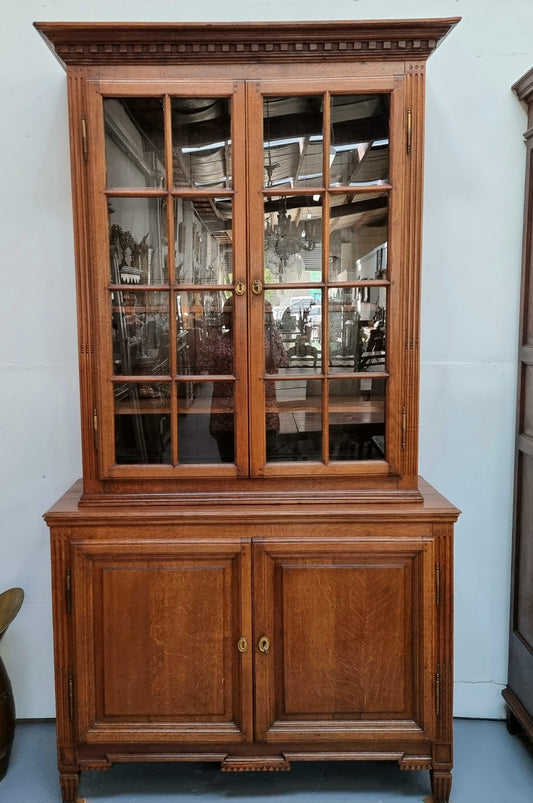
(251, 570)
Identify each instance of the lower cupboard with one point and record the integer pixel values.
(253, 636)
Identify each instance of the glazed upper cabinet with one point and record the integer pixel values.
(248, 212)
(249, 227)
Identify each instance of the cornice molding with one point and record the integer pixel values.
(115, 43)
(524, 87)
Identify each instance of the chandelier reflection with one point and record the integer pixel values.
(286, 237)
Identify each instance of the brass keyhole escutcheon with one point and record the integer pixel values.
(263, 644)
(240, 287)
(257, 287)
(242, 644)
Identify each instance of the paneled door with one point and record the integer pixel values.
(344, 638)
(158, 629)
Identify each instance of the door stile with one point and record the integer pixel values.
(99, 278)
(241, 260)
(256, 303)
(397, 262)
(245, 682)
(412, 182)
(78, 100)
(263, 626)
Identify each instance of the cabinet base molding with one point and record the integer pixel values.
(256, 764)
(415, 763)
(518, 711)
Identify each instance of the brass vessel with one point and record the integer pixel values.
(10, 602)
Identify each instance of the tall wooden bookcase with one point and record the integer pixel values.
(251, 571)
(519, 692)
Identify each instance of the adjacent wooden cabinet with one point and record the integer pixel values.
(519, 691)
(251, 570)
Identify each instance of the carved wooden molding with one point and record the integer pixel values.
(179, 43)
(524, 87)
(255, 764)
(415, 763)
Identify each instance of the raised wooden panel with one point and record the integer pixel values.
(169, 621)
(344, 631)
(160, 638)
(348, 632)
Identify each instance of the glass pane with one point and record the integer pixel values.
(142, 422)
(524, 577)
(357, 329)
(293, 145)
(205, 333)
(203, 249)
(357, 419)
(134, 142)
(293, 420)
(293, 239)
(526, 425)
(358, 237)
(138, 240)
(293, 333)
(206, 422)
(140, 332)
(201, 142)
(359, 151)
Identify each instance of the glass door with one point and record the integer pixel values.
(173, 367)
(321, 366)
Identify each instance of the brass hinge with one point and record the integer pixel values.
(70, 695)
(95, 427)
(437, 584)
(409, 129)
(84, 147)
(437, 692)
(68, 590)
(404, 427)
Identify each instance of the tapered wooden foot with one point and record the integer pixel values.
(513, 725)
(441, 785)
(69, 782)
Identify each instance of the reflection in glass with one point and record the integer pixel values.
(293, 239)
(357, 329)
(204, 333)
(297, 323)
(137, 240)
(134, 142)
(293, 420)
(206, 423)
(140, 332)
(293, 141)
(358, 237)
(201, 142)
(359, 152)
(357, 419)
(142, 422)
(203, 251)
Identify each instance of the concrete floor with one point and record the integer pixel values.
(490, 767)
